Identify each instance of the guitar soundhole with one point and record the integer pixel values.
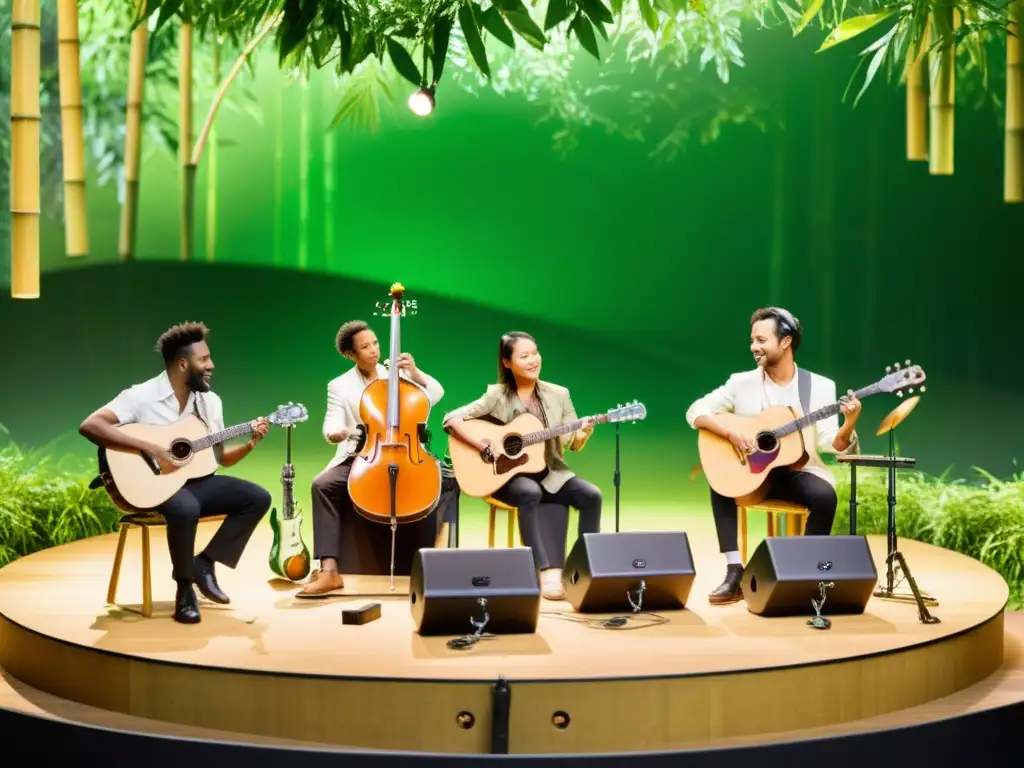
(767, 442)
(181, 449)
(512, 445)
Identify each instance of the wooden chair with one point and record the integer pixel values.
(795, 519)
(144, 521)
(511, 519)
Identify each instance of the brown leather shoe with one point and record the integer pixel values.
(326, 584)
(729, 591)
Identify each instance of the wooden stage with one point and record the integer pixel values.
(273, 669)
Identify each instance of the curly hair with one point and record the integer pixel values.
(177, 340)
(345, 340)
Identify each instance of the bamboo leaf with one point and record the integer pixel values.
(597, 12)
(167, 12)
(558, 11)
(876, 62)
(526, 27)
(850, 28)
(403, 62)
(496, 25)
(585, 34)
(650, 16)
(812, 10)
(617, 7)
(442, 34)
(470, 30)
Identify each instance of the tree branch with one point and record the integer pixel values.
(249, 48)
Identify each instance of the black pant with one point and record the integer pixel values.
(363, 546)
(784, 485)
(243, 502)
(544, 517)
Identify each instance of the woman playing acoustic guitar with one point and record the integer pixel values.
(543, 499)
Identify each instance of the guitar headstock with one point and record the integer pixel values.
(635, 411)
(397, 306)
(288, 415)
(902, 379)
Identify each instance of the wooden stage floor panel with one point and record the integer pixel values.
(647, 688)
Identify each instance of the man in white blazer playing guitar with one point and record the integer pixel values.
(775, 336)
(335, 520)
(181, 389)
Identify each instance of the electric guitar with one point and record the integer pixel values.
(289, 556)
(778, 440)
(135, 481)
(518, 447)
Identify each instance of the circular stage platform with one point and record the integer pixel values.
(270, 667)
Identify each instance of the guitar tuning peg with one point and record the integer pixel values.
(900, 393)
(906, 363)
(921, 389)
(911, 390)
(897, 366)
(888, 368)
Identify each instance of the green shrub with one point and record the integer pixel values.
(983, 518)
(45, 504)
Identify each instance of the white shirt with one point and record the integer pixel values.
(154, 402)
(751, 392)
(343, 396)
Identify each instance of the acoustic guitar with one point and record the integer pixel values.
(518, 447)
(778, 440)
(135, 478)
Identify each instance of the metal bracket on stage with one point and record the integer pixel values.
(502, 706)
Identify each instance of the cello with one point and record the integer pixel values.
(394, 479)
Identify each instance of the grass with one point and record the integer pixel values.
(46, 503)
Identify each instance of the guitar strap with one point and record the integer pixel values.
(803, 383)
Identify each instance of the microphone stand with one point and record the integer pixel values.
(618, 475)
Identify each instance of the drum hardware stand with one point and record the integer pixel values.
(894, 558)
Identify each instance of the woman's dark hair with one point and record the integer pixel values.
(508, 341)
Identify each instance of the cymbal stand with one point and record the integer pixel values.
(887, 592)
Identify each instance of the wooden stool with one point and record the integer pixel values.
(795, 518)
(512, 513)
(143, 521)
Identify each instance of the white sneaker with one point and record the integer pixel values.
(551, 586)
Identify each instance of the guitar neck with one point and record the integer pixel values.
(215, 438)
(546, 434)
(822, 413)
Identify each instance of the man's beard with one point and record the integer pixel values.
(196, 383)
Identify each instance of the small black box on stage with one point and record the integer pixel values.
(785, 573)
(604, 571)
(449, 589)
(364, 615)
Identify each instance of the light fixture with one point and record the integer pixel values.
(422, 101)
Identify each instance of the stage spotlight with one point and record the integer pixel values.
(422, 101)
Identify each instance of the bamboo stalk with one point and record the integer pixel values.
(211, 173)
(76, 221)
(917, 105)
(303, 174)
(133, 139)
(188, 171)
(328, 149)
(25, 120)
(942, 104)
(1013, 189)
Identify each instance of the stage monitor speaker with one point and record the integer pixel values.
(784, 574)
(606, 571)
(449, 589)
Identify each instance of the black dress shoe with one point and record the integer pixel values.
(186, 607)
(729, 591)
(207, 582)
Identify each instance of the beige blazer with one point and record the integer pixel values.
(558, 409)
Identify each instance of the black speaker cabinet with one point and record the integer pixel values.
(451, 588)
(604, 570)
(784, 573)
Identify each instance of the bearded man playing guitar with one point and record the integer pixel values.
(543, 499)
(181, 389)
(775, 337)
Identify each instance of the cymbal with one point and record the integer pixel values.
(897, 415)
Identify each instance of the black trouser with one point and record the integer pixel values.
(363, 546)
(544, 517)
(784, 485)
(243, 502)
